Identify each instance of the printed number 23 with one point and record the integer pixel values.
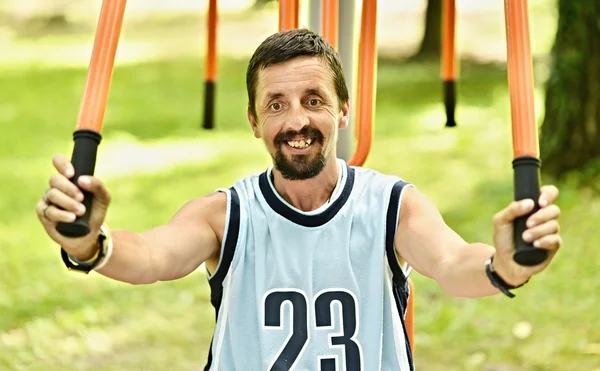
(290, 351)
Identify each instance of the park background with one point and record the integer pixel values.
(154, 157)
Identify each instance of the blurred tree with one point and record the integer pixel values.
(570, 134)
(431, 41)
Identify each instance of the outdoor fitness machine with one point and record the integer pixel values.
(87, 133)
(526, 163)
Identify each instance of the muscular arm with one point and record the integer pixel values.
(433, 249)
(173, 250)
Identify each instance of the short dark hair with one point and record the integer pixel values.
(286, 45)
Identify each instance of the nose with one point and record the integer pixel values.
(297, 117)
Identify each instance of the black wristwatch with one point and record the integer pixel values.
(497, 281)
(87, 266)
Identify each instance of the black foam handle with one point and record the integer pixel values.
(84, 162)
(526, 185)
(450, 102)
(209, 105)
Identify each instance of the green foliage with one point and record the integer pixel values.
(55, 320)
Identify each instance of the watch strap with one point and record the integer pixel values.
(88, 265)
(497, 281)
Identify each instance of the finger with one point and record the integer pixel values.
(548, 194)
(56, 215)
(39, 210)
(63, 165)
(543, 215)
(53, 214)
(65, 202)
(550, 242)
(513, 211)
(548, 228)
(96, 187)
(64, 185)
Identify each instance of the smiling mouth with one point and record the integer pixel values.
(300, 144)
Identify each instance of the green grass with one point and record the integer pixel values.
(55, 320)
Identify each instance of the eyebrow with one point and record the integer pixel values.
(314, 91)
(310, 91)
(273, 95)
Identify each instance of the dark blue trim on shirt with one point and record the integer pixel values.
(216, 281)
(302, 219)
(399, 280)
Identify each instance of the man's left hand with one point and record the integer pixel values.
(542, 230)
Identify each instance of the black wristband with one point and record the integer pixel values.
(85, 267)
(497, 281)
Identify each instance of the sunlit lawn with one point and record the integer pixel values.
(51, 319)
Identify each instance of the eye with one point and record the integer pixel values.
(314, 102)
(275, 106)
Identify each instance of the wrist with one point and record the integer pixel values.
(502, 272)
(87, 253)
(498, 282)
(90, 259)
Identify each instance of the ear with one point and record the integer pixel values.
(253, 123)
(345, 115)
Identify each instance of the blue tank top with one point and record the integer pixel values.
(319, 290)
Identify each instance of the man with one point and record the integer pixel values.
(307, 261)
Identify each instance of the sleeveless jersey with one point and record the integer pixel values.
(318, 290)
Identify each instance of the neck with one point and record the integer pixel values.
(309, 194)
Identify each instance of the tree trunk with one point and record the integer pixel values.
(431, 41)
(570, 135)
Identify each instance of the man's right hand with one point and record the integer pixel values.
(63, 201)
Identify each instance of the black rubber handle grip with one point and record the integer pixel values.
(84, 162)
(450, 102)
(526, 185)
(209, 105)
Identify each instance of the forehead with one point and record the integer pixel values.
(297, 74)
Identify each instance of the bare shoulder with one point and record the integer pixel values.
(211, 209)
(206, 204)
(423, 238)
(415, 203)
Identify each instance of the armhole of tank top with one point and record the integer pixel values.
(230, 238)
(399, 274)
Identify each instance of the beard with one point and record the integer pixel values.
(299, 167)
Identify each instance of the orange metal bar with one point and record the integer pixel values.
(330, 21)
(366, 84)
(288, 14)
(449, 64)
(520, 79)
(211, 67)
(410, 317)
(526, 162)
(448, 37)
(297, 14)
(95, 96)
(211, 58)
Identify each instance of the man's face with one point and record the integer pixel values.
(298, 116)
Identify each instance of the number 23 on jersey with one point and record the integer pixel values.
(296, 302)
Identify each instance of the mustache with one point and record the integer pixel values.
(307, 131)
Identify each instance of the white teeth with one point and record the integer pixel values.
(299, 143)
